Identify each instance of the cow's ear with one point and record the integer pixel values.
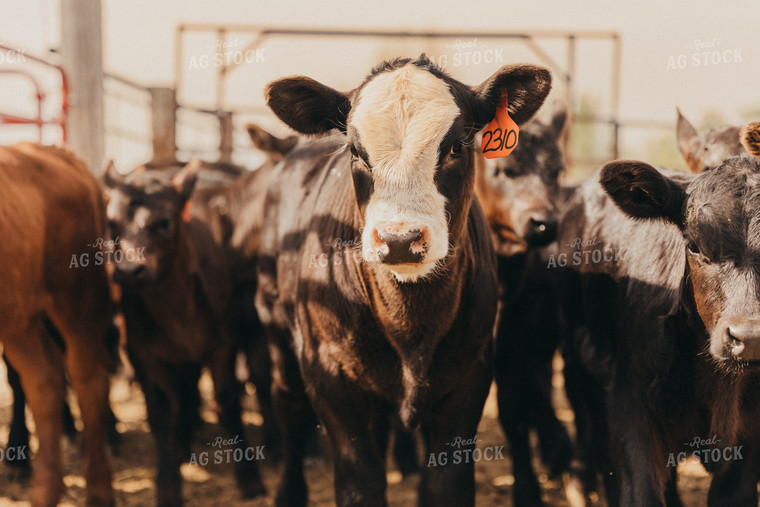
(559, 118)
(184, 180)
(110, 176)
(307, 106)
(526, 85)
(269, 143)
(688, 142)
(750, 138)
(641, 191)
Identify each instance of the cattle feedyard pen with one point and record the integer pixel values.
(565, 71)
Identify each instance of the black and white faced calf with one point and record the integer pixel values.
(377, 277)
(175, 298)
(681, 322)
(519, 197)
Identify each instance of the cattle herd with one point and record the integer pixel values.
(378, 274)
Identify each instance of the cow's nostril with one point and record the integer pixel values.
(401, 247)
(538, 225)
(541, 231)
(742, 341)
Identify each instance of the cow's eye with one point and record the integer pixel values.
(692, 247)
(511, 172)
(162, 225)
(353, 151)
(456, 150)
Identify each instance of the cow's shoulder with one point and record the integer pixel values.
(207, 263)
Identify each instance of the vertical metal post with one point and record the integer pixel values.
(82, 59)
(569, 98)
(615, 92)
(220, 71)
(178, 54)
(164, 122)
(225, 136)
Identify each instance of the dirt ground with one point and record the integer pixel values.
(134, 461)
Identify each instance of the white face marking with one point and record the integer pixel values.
(401, 117)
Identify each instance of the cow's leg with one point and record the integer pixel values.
(517, 396)
(640, 461)
(163, 407)
(514, 420)
(260, 370)
(228, 392)
(587, 401)
(40, 366)
(88, 363)
(405, 452)
(453, 484)
(188, 405)
(295, 417)
(672, 499)
(69, 426)
(735, 483)
(556, 447)
(18, 438)
(359, 462)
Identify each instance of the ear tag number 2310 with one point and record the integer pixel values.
(500, 136)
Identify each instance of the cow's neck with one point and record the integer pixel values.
(415, 316)
(172, 293)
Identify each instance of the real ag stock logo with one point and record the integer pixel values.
(464, 451)
(228, 455)
(111, 254)
(704, 53)
(588, 251)
(706, 451)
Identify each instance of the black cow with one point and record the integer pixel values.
(519, 196)
(175, 298)
(584, 384)
(234, 215)
(377, 278)
(673, 326)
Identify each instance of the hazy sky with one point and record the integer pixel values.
(663, 64)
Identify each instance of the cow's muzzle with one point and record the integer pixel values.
(741, 340)
(131, 274)
(400, 245)
(541, 230)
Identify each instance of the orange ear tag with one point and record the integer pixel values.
(186, 211)
(500, 136)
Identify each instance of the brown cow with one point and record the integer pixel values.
(710, 150)
(51, 209)
(377, 278)
(750, 138)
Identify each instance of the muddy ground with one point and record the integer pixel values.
(214, 484)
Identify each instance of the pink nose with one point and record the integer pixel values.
(400, 244)
(743, 340)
